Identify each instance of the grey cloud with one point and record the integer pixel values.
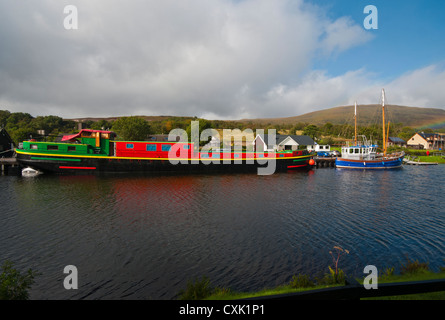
(217, 58)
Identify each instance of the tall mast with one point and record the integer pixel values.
(355, 119)
(384, 126)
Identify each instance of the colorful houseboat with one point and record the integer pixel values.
(92, 151)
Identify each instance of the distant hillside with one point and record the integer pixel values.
(148, 118)
(419, 118)
(366, 115)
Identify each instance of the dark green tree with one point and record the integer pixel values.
(311, 131)
(4, 115)
(101, 125)
(131, 128)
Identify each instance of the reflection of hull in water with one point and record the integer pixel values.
(384, 163)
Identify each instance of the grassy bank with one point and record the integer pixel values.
(409, 272)
(421, 155)
(433, 159)
(285, 289)
(418, 276)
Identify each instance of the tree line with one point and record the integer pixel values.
(22, 126)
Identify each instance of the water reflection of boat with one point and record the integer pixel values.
(363, 154)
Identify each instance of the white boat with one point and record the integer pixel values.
(30, 172)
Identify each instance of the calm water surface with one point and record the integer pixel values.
(144, 237)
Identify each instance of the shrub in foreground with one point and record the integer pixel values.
(13, 284)
(301, 281)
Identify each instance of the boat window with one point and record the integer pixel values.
(151, 147)
(71, 148)
(33, 146)
(130, 146)
(52, 147)
(215, 155)
(86, 134)
(186, 147)
(166, 147)
(357, 150)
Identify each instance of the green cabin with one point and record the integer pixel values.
(86, 142)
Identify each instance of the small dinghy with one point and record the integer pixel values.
(30, 172)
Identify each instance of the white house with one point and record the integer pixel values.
(281, 142)
(426, 141)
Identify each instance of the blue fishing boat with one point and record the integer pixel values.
(363, 154)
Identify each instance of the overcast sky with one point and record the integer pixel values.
(217, 59)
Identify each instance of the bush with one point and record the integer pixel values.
(387, 273)
(301, 281)
(413, 267)
(197, 290)
(13, 284)
(333, 277)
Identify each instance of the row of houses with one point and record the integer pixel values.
(427, 141)
(265, 142)
(420, 140)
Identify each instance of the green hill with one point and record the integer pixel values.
(366, 115)
(419, 118)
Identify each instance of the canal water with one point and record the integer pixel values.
(145, 237)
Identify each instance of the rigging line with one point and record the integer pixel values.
(6, 151)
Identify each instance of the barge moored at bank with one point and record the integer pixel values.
(91, 151)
